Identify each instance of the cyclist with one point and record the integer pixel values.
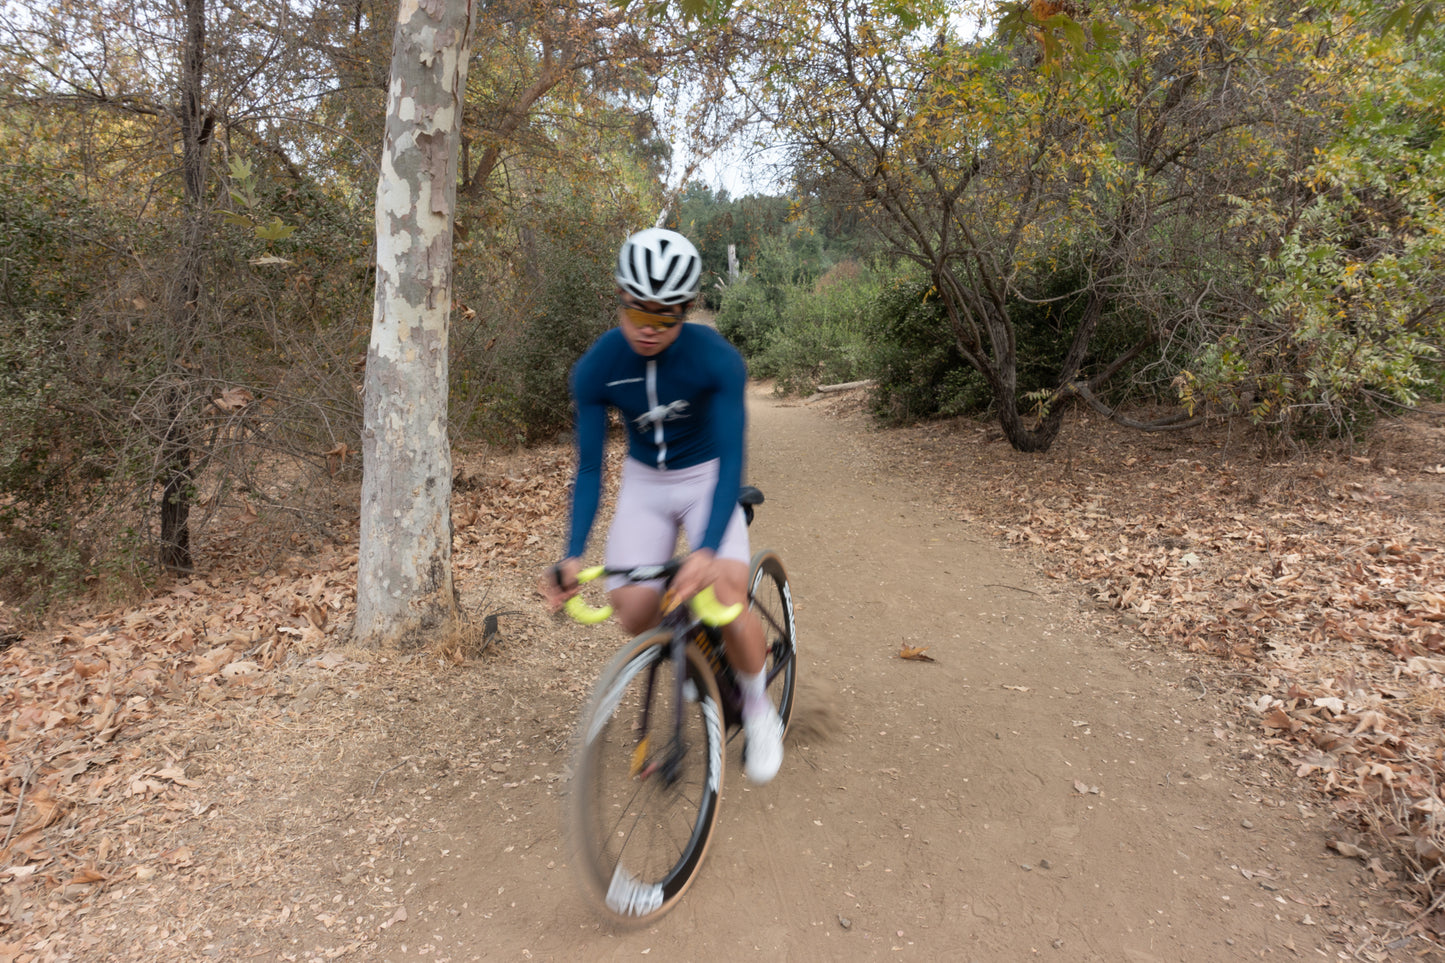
(679, 388)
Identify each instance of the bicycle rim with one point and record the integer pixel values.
(639, 840)
(770, 597)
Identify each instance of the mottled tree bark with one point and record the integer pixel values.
(404, 574)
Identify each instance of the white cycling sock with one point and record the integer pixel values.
(755, 691)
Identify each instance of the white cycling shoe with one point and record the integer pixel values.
(763, 750)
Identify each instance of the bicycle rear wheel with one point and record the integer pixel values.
(638, 835)
(770, 597)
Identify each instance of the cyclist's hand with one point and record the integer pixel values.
(558, 583)
(695, 575)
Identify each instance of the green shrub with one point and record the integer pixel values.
(749, 315)
(921, 373)
(512, 355)
(578, 304)
(47, 461)
(822, 333)
(919, 370)
(53, 250)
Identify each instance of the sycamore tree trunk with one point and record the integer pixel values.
(404, 573)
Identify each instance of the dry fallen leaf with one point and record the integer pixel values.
(233, 399)
(336, 458)
(915, 653)
(240, 669)
(1279, 719)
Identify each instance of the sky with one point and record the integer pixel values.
(740, 169)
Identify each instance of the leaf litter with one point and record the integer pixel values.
(116, 766)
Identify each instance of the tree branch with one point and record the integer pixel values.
(1174, 422)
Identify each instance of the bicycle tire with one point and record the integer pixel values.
(639, 841)
(770, 597)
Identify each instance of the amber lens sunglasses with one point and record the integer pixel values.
(646, 319)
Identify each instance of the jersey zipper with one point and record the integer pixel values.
(653, 404)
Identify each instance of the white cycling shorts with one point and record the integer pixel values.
(654, 505)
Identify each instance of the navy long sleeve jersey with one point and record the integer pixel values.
(682, 407)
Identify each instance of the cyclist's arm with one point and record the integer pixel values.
(729, 427)
(587, 487)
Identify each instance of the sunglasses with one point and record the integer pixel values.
(646, 319)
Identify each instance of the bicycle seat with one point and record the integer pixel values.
(748, 496)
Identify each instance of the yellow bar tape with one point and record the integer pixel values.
(704, 605)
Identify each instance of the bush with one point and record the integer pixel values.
(554, 296)
(43, 460)
(822, 333)
(578, 305)
(921, 373)
(917, 364)
(96, 377)
(749, 315)
(52, 251)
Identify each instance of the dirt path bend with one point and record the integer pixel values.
(1040, 790)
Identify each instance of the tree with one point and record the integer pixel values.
(137, 100)
(1112, 152)
(177, 445)
(404, 572)
(1350, 316)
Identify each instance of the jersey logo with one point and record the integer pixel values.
(662, 413)
(624, 381)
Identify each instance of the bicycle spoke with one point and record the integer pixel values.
(643, 830)
(770, 624)
(638, 820)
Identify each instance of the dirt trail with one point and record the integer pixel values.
(1041, 789)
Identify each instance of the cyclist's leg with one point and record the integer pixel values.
(643, 532)
(747, 651)
(772, 600)
(744, 635)
(763, 727)
(636, 607)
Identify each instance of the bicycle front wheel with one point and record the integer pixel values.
(772, 600)
(647, 776)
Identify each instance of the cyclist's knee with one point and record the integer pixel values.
(636, 608)
(732, 581)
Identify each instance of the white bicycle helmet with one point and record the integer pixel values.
(659, 265)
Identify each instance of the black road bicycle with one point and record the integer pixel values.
(648, 768)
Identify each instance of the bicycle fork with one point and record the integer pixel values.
(644, 764)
